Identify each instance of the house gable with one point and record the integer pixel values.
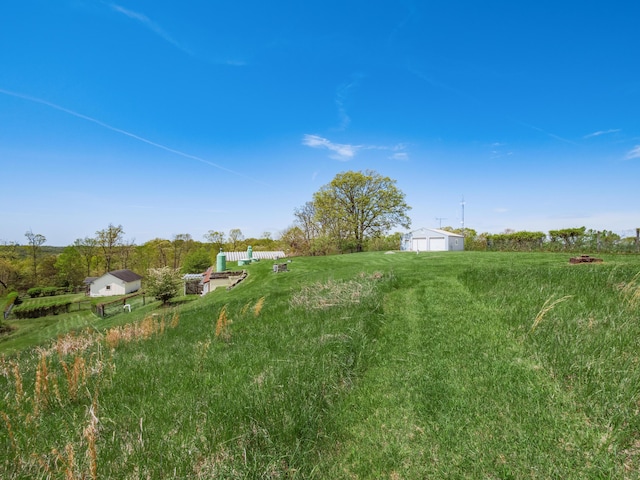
(118, 282)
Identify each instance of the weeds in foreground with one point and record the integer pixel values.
(258, 307)
(332, 293)
(631, 292)
(62, 378)
(222, 325)
(132, 332)
(549, 305)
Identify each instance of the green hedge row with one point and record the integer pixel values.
(47, 291)
(35, 311)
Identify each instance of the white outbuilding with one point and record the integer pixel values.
(118, 282)
(432, 240)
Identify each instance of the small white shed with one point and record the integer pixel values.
(118, 282)
(432, 240)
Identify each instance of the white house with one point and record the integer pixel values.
(118, 282)
(432, 240)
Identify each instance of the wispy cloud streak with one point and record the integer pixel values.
(633, 153)
(342, 97)
(151, 25)
(552, 135)
(602, 132)
(342, 152)
(119, 130)
(345, 152)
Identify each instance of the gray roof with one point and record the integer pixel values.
(126, 275)
(193, 276)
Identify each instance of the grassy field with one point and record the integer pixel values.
(28, 332)
(437, 365)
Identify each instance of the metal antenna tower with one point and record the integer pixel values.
(462, 205)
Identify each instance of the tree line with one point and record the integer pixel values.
(34, 264)
(574, 240)
(355, 212)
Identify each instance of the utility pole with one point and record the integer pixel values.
(439, 219)
(462, 204)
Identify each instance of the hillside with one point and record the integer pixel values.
(441, 365)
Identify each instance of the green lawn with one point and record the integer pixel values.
(29, 332)
(437, 365)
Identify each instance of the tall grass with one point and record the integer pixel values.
(590, 344)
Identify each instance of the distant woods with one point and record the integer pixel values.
(354, 213)
(35, 264)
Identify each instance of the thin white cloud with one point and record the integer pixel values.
(400, 156)
(552, 135)
(342, 152)
(123, 132)
(342, 98)
(345, 152)
(633, 153)
(151, 25)
(602, 132)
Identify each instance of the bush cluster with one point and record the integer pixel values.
(36, 292)
(41, 310)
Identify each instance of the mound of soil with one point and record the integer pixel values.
(585, 259)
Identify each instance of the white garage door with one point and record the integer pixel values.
(437, 244)
(419, 244)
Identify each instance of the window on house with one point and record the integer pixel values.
(108, 287)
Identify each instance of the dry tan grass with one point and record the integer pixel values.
(258, 307)
(41, 389)
(76, 375)
(334, 293)
(549, 305)
(19, 389)
(7, 423)
(75, 342)
(631, 292)
(90, 434)
(175, 319)
(150, 326)
(222, 325)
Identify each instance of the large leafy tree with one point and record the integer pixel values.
(86, 247)
(308, 224)
(181, 244)
(355, 206)
(235, 239)
(215, 238)
(70, 267)
(197, 261)
(35, 243)
(109, 240)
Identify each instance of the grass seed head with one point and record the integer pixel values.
(258, 307)
(549, 305)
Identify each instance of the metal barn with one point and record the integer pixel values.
(432, 240)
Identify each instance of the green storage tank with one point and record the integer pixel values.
(221, 262)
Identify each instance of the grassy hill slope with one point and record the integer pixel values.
(441, 365)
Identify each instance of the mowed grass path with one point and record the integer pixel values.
(453, 394)
(361, 366)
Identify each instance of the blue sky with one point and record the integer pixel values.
(184, 117)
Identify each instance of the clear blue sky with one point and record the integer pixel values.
(173, 117)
